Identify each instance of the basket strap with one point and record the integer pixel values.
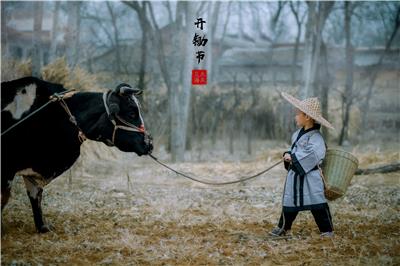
(323, 177)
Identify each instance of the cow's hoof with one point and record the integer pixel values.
(3, 231)
(46, 228)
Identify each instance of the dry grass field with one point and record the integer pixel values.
(158, 218)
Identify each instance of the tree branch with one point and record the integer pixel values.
(388, 168)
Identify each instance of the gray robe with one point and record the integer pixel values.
(304, 188)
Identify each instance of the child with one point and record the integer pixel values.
(304, 187)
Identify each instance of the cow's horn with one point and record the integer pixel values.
(130, 91)
(125, 89)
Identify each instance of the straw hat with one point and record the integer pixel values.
(310, 106)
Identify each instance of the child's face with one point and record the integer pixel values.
(302, 119)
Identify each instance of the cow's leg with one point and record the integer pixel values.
(6, 181)
(35, 196)
(5, 195)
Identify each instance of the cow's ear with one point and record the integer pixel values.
(113, 104)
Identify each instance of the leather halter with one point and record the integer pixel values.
(60, 98)
(126, 125)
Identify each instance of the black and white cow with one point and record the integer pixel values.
(48, 143)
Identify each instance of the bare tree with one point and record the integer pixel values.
(255, 18)
(113, 17)
(255, 81)
(228, 15)
(143, 60)
(184, 103)
(54, 31)
(295, 8)
(230, 110)
(213, 11)
(4, 32)
(374, 73)
(347, 97)
(223, 35)
(37, 35)
(72, 34)
(141, 9)
(172, 87)
(174, 72)
(240, 6)
(275, 18)
(164, 68)
(317, 14)
(324, 80)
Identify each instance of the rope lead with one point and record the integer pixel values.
(215, 183)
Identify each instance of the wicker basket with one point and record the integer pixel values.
(338, 169)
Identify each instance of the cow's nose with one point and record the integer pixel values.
(150, 147)
(149, 143)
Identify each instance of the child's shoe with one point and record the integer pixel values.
(327, 234)
(279, 232)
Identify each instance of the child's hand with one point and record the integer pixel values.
(287, 157)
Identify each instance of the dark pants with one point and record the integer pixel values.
(322, 218)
